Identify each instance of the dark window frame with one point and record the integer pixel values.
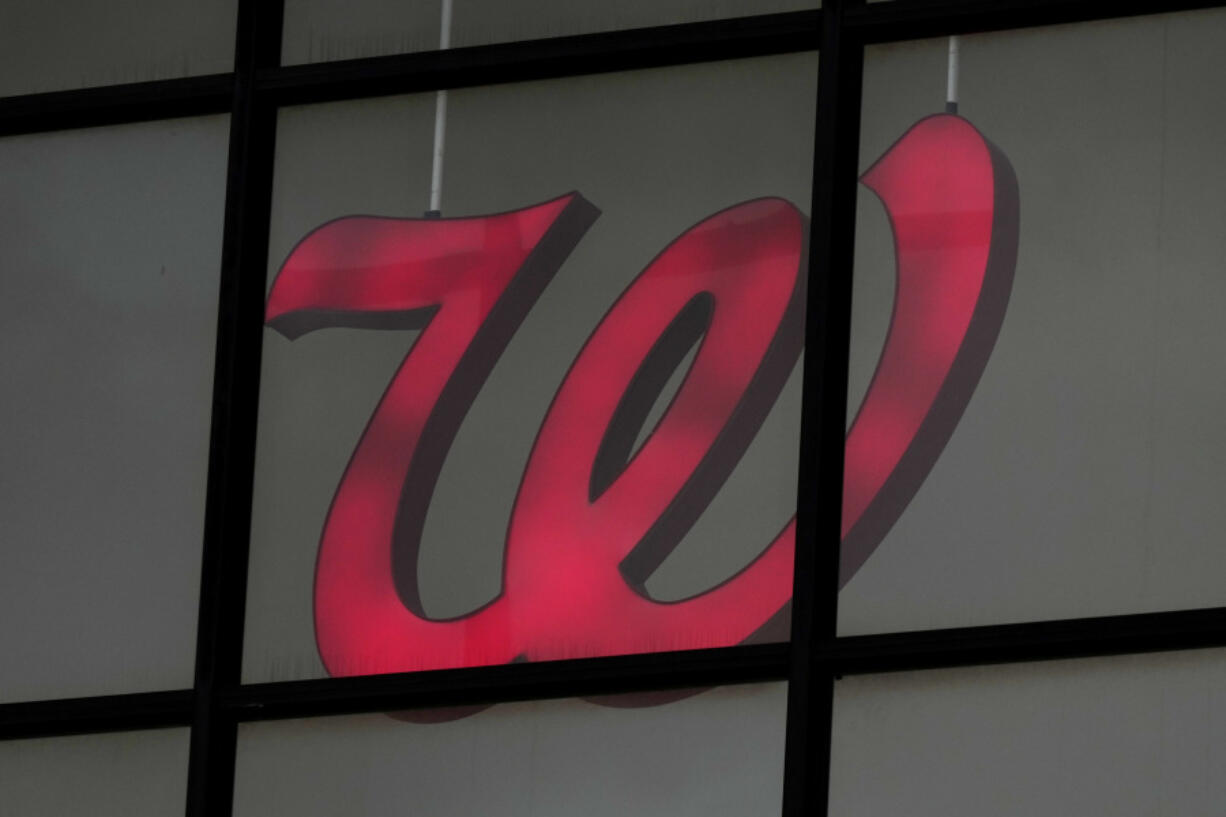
(816, 656)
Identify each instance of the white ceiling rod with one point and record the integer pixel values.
(951, 82)
(440, 123)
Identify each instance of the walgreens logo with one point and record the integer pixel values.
(593, 518)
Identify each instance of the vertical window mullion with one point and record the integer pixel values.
(827, 336)
(219, 638)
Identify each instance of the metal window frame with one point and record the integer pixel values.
(815, 656)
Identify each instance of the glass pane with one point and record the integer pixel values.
(324, 30)
(84, 43)
(657, 152)
(111, 247)
(1131, 736)
(126, 774)
(718, 753)
(1083, 477)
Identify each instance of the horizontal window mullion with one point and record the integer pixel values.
(105, 713)
(550, 58)
(510, 682)
(919, 19)
(1031, 641)
(850, 655)
(116, 104)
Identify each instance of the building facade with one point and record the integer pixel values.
(683, 408)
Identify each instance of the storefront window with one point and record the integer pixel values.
(719, 753)
(128, 774)
(1131, 735)
(649, 155)
(1082, 478)
(108, 314)
(81, 44)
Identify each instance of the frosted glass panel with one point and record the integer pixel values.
(111, 249)
(719, 753)
(1131, 737)
(126, 774)
(593, 178)
(83, 43)
(1083, 477)
(323, 30)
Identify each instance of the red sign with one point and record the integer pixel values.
(591, 522)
